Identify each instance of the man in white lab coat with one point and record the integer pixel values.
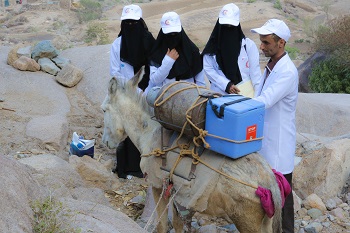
(278, 90)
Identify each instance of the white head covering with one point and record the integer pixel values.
(170, 22)
(275, 26)
(131, 12)
(229, 14)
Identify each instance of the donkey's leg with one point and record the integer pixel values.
(177, 221)
(162, 211)
(182, 218)
(267, 225)
(252, 222)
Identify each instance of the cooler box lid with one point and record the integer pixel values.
(236, 104)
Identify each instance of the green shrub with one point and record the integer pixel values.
(333, 74)
(90, 10)
(329, 76)
(47, 215)
(292, 52)
(277, 5)
(97, 32)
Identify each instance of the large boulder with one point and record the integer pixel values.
(18, 189)
(323, 114)
(323, 171)
(305, 70)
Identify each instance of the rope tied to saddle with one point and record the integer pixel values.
(264, 194)
(197, 140)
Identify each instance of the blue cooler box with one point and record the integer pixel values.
(237, 118)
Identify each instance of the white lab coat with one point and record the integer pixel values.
(158, 75)
(279, 94)
(117, 67)
(248, 62)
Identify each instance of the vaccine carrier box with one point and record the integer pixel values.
(236, 118)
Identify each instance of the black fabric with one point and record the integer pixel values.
(128, 160)
(288, 209)
(225, 42)
(187, 65)
(136, 45)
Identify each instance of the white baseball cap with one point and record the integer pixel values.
(131, 12)
(275, 26)
(170, 22)
(229, 14)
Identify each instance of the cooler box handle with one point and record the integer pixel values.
(223, 106)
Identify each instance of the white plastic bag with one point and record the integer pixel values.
(80, 146)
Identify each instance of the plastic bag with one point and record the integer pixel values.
(80, 146)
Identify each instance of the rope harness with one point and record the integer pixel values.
(168, 187)
(197, 140)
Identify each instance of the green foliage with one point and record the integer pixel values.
(292, 52)
(251, 1)
(277, 5)
(97, 32)
(46, 217)
(299, 41)
(333, 74)
(90, 10)
(329, 76)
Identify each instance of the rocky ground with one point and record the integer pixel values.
(30, 24)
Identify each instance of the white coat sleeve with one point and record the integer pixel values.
(158, 75)
(213, 73)
(254, 63)
(277, 90)
(199, 79)
(114, 68)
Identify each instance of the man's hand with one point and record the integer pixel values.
(172, 53)
(232, 89)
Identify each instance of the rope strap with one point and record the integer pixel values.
(184, 148)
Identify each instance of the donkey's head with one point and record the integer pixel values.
(116, 108)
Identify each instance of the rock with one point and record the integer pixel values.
(25, 51)
(69, 76)
(314, 213)
(331, 204)
(338, 212)
(48, 66)
(313, 201)
(49, 129)
(44, 49)
(94, 173)
(311, 117)
(92, 217)
(12, 55)
(61, 61)
(315, 173)
(26, 64)
(17, 189)
(314, 227)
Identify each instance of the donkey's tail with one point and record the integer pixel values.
(277, 201)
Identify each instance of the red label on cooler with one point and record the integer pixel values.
(251, 132)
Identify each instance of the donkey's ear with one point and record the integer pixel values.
(112, 87)
(137, 77)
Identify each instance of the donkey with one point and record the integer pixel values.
(126, 113)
